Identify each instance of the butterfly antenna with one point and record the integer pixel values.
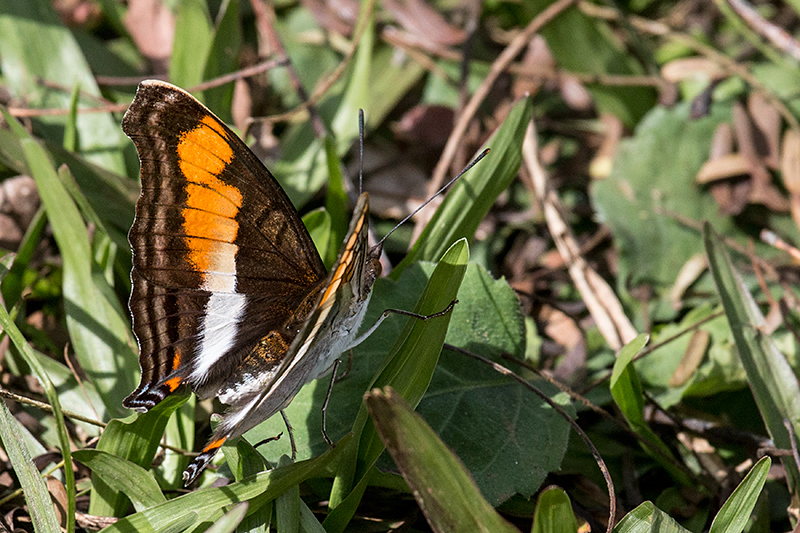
(440, 191)
(360, 148)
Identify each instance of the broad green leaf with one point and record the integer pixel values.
(647, 187)
(135, 439)
(36, 46)
(487, 320)
(447, 495)
(554, 513)
(37, 498)
(719, 371)
(10, 328)
(318, 224)
(98, 327)
(193, 36)
(735, 512)
(771, 379)
(209, 504)
(471, 197)
(473, 408)
(223, 58)
(123, 476)
(647, 518)
(408, 369)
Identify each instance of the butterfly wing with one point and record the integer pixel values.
(329, 329)
(220, 256)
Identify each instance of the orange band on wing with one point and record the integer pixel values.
(215, 444)
(211, 204)
(344, 270)
(173, 383)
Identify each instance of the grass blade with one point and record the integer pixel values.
(735, 513)
(408, 369)
(43, 513)
(771, 379)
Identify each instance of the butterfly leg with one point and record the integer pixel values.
(388, 312)
(291, 434)
(348, 369)
(325, 436)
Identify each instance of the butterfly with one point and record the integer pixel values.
(230, 297)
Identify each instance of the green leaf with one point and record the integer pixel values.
(193, 36)
(209, 504)
(37, 46)
(647, 518)
(223, 58)
(408, 369)
(98, 326)
(244, 461)
(627, 392)
(37, 498)
(336, 203)
(13, 284)
(470, 407)
(13, 332)
(492, 423)
(136, 440)
(649, 185)
(318, 224)
(123, 476)
(554, 513)
(771, 379)
(735, 512)
(230, 520)
(447, 495)
(471, 197)
(287, 506)
(582, 43)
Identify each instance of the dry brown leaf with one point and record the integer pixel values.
(794, 208)
(337, 16)
(603, 161)
(537, 57)
(152, 27)
(767, 120)
(688, 274)
(724, 167)
(732, 196)
(575, 95)
(692, 357)
(692, 67)
(722, 142)
(77, 12)
(790, 161)
(429, 125)
(59, 496)
(421, 20)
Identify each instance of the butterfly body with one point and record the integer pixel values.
(230, 297)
